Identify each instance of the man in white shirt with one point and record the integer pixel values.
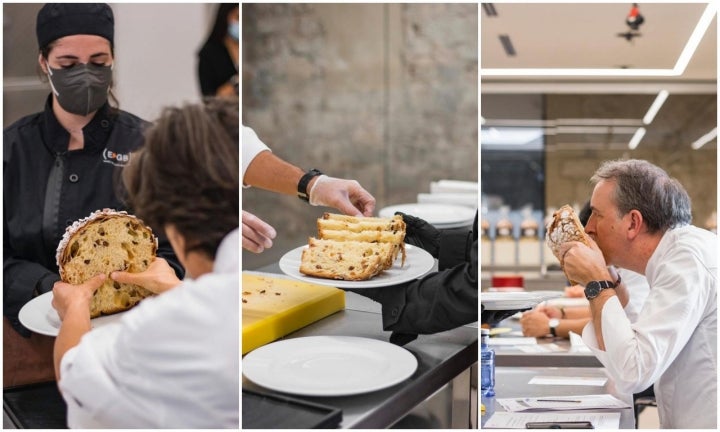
(641, 221)
(173, 361)
(261, 168)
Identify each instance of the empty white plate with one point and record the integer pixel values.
(328, 365)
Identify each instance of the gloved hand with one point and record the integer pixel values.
(345, 195)
(421, 234)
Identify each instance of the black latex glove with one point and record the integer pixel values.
(421, 234)
(493, 317)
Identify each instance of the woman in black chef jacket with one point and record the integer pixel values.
(63, 163)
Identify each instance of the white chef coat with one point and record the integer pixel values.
(674, 341)
(638, 290)
(171, 362)
(251, 147)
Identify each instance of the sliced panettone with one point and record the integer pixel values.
(345, 260)
(104, 242)
(365, 229)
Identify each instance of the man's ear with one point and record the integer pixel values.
(637, 224)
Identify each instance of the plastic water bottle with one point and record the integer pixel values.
(487, 365)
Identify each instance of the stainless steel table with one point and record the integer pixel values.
(511, 382)
(567, 357)
(441, 358)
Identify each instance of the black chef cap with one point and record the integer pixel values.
(56, 20)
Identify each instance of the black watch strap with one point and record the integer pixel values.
(303, 193)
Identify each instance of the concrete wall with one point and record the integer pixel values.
(382, 93)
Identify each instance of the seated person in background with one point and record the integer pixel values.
(438, 301)
(559, 321)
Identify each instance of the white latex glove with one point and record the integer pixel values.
(345, 195)
(256, 234)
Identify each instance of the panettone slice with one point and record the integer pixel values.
(104, 242)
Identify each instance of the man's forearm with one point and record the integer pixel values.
(269, 172)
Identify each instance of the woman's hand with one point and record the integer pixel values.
(158, 278)
(68, 297)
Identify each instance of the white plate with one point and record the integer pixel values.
(328, 365)
(434, 214)
(514, 300)
(39, 316)
(417, 263)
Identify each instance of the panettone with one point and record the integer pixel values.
(104, 242)
(565, 227)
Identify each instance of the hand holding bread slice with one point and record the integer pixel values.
(565, 227)
(353, 248)
(101, 243)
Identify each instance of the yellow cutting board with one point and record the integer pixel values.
(273, 307)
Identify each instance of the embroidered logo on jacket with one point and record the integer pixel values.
(117, 159)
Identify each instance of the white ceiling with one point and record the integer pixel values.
(584, 35)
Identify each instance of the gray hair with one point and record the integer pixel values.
(640, 185)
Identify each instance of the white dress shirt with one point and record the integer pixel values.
(673, 343)
(251, 147)
(638, 290)
(171, 362)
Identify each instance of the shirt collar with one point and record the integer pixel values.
(96, 132)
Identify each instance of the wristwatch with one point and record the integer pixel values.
(593, 288)
(553, 323)
(303, 184)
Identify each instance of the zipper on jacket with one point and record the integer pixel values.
(51, 211)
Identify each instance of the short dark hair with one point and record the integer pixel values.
(187, 174)
(642, 186)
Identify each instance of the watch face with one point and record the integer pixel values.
(592, 290)
(553, 322)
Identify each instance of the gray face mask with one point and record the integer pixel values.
(82, 88)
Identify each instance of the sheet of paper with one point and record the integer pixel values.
(540, 348)
(506, 420)
(572, 381)
(577, 344)
(560, 403)
(513, 341)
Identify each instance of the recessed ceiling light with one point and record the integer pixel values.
(704, 139)
(677, 70)
(635, 140)
(655, 107)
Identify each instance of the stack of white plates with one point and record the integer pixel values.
(453, 186)
(515, 300)
(441, 216)
(463, 199)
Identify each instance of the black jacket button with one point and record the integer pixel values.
(74, 178)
